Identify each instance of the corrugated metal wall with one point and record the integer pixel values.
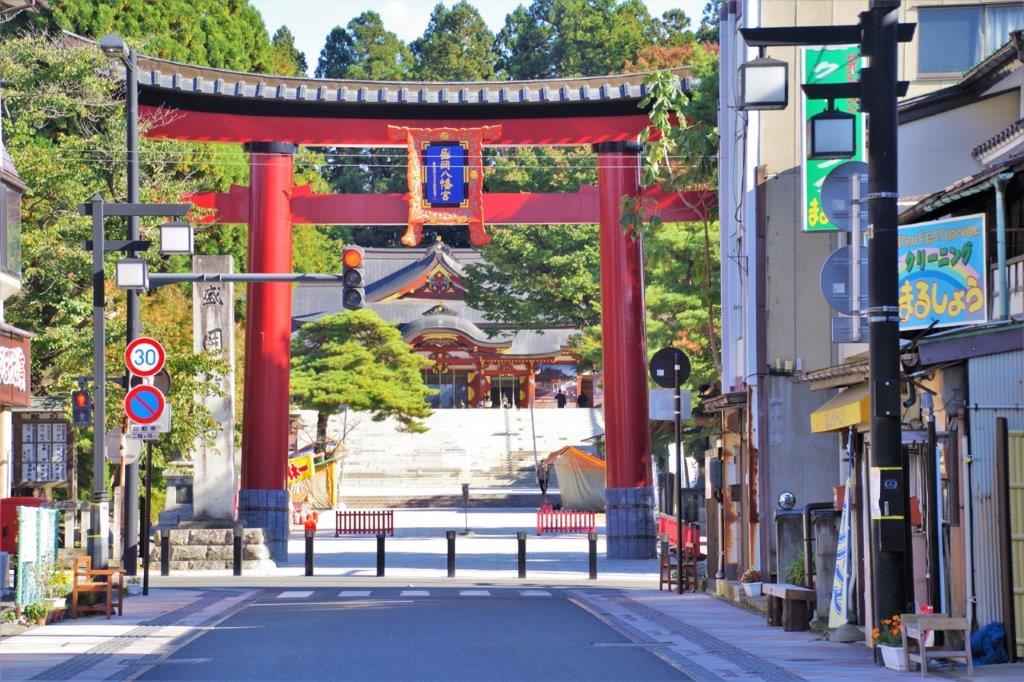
(995, 383)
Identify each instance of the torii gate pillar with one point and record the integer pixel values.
(263, 498)
(629, 493)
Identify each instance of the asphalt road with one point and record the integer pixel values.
(412, 634)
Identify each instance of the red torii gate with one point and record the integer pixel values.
(271, 116)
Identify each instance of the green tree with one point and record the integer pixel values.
(364, 50)
(561, 38)
(226, 34)
(456, 46)
(354, 358)
(65, 131)
(710, 19)
(288, 61)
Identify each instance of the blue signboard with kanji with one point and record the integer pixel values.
(444, 182)
(942, 273)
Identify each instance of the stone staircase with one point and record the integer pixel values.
(203, 549)
(491, 449)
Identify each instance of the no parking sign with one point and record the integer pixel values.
(144, 404)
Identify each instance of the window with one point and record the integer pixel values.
(451, 387)
(955, 39)
(10, 230)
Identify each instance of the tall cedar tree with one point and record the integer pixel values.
(457, 46)
(355, 359)
(288, 61)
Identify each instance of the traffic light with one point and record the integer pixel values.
(352, 277)
(81, 408)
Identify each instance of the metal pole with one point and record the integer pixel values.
(309, 551)
(129, 526)
(451, 552)
(678, 493)
(999, 183)
(592, 554)
(880, 101)
(521, 537)
(165, 552)
(855, 244)
(380, 555)
(148, 509)
(98, 550)
(932, 523)
(236, 553)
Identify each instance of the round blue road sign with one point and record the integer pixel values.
(144, 404)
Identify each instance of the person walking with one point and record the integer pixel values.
(560, 398)
(583, 400)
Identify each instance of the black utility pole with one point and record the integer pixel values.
(879, 98)
(130, 546)
(879, 35)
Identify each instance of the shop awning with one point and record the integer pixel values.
(849, 408)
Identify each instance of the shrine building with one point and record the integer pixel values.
(476, 362)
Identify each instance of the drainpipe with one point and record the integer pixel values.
(999, 183)
(808, 508)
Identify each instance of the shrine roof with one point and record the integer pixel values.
(437, 255)
(200, 88)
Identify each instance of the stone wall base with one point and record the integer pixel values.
(630, 525)
(206, 549)
(269, 510)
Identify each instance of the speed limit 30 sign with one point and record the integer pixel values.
(144, 357)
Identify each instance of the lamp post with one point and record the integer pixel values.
(99, 210)
(115, 47)
(878, 33)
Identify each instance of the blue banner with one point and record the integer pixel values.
(444, 184)
(942, 273)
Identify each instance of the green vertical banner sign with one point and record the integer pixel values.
(826, 65)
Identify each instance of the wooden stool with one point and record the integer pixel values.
(667, 562)
(914, 625)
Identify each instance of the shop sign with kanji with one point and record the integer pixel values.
(942, 273)
(826, 65)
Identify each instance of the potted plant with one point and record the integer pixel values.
(37, 612)
(889, 640)
(57, 589)
(133, 584)
(752, 582)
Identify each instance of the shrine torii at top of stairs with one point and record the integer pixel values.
(272, 115)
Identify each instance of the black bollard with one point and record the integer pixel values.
(380, 555)
(309, 550)
(592, 539)
(165, 552)
(236, 567)
(451, 553)
(521, 536)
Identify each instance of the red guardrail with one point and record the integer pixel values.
(550, 520)
(364, 522)
(691, 531)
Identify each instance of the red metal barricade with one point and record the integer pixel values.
(364, 522)
(550, 520)
(691, 532)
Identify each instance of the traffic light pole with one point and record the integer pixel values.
(98, 511)
(879, 93)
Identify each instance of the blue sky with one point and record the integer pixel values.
(311, 20)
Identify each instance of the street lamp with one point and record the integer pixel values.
(115, 47)
(176, 238)
(764, 84)
(132, 273)
(833, 134)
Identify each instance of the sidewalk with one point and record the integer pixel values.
(711, 639)
(96, 648)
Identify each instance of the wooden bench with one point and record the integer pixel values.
(789, 606)
(914, 625)
(84, 581)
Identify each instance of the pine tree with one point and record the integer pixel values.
(288, 61)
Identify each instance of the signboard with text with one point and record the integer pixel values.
(942, 273)
(821, 66)
(444, 182)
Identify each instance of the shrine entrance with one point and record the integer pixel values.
(272, 116)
